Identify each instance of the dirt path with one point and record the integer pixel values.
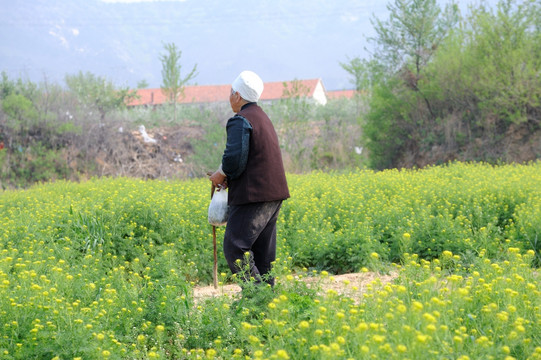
(353, 285)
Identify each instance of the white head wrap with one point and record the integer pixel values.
(249, 85)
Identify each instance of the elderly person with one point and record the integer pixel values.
(253, 170)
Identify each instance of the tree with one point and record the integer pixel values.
(412, 33)
(411, 36)
(508, 84)
(365, 74)
(95, 92)
(358, 68)
(454, 93)
(400, 106)
(18, 105)
(21, 113)
(173, 83)
(7, 86)
(142, 84)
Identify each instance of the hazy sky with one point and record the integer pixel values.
(123, 39)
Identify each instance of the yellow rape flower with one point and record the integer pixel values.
(253, 339)
(378, 339)
(416, 305)
(401, 348)
(304, 324)
(423, 339)
(429, 317)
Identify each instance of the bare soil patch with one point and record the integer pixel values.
(352, 285)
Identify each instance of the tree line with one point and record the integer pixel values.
(49, 131)
(442, 86)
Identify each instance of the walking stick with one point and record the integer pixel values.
(215, 270)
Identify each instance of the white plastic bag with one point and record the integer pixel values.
(218, 208)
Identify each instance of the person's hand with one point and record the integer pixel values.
(218, 180)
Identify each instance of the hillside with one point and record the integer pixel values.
(519, 144)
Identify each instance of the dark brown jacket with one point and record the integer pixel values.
(264, 178)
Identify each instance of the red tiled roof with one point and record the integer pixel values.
(336, 94)
(276, 90)
(192, 94)
(218, 93)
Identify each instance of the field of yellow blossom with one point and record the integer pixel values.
(105, 269)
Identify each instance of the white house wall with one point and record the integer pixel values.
(319, 94)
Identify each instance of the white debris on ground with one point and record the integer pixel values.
(146, 137)
(178, 158)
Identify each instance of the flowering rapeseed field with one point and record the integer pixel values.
(105, 269)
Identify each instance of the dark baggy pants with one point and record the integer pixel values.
(251, 230)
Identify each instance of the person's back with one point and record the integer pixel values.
(264, 178)
(253, 170)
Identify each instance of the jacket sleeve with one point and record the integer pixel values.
(237, 147)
